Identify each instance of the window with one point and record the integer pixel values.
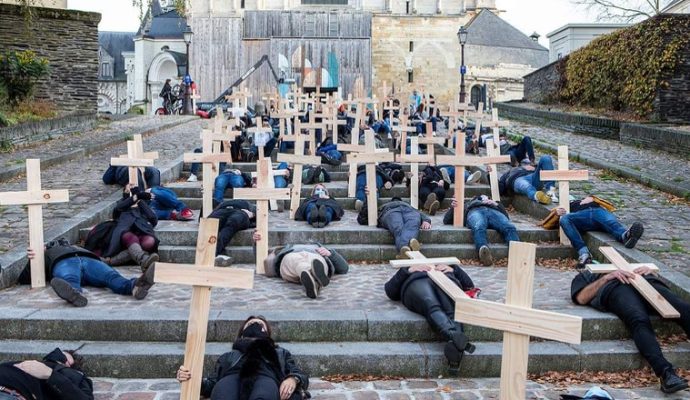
(410, 76)
(105, 69)
(310, 25)
(411, 46)
(242, 5)
(560, 55)
(407, 7)
(333, 25)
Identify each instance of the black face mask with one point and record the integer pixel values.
(56, 356)
(254, 330)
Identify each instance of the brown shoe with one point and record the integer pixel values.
(415, 245)
(430, 199)
(402, 255)
(434, 207)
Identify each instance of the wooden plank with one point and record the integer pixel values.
(655, 299)
(34, 197)
(262, 167)
(414, 169)
(572, 175)
(153, 155)
(262, 195)
(472, 161)
(131, 162)
(298, 159)
(351, 147)
(459, 210)
(204, 276)
(195, 346)
(448, 286)
(207, 158)
(412, 158)
(296, 193)
(425, 261)
(608, 268)
(494, 151)
(35, 214)
(370, 158)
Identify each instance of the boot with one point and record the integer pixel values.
(121, 258)
(141, 257)
(457, 343)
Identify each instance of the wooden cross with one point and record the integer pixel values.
(258, 129)
(403, 128)
(454, 115)
(219, 122)
(262, 194)
(298, 160)
(211, 160)
(353, 146)
(370, 157)
(331, 119)
(608, 268)
(459, 162)
(139, 145)
(135, 158)
(202, 276)
(430, 141)
(414, 158)
(311, 128)
(34, 198)
(563, 175)
(516, 318)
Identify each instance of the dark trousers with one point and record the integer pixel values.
(403, 225)
(634, 311)
(234, 224)
(424, 297)
(229, 387)
(523, 150)
(426, 190)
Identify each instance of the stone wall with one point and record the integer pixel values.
(656, 137)
(69, 40)
(582, 124)
(672, 102)
(27, 133)
(542, 84)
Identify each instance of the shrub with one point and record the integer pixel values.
(19, 72)
(136, 110)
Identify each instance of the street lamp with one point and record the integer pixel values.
(462, 38)
(187, 36)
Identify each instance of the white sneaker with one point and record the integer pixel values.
(223, 261)
(552, 193)
(474, 177)
(192, 178)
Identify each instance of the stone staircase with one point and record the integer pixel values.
(351, 328)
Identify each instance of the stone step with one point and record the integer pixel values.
(166, 325)
(347, 203)
(185, 234)
(159, 360)
(374, 252)
(336, 189)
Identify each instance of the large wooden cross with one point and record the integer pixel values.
(654, 298)
(516, 318)
(34, 198)
(430, 141)
(211, 160)
(563, 175)
(459, 161)
(414, 158)
(298, 160)
(134, 159)
(404, 129)
(262, 194)
(139, 147)
(353, 146)
(311, 128)
(202, 276)
(370, 157)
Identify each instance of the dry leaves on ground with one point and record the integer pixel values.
(567, 264)
(339, 378)
(619, 380)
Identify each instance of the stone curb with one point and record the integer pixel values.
(645, 179)
(19, 170)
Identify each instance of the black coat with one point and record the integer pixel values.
(229, 207)
(338, 212)
(64, 383)
(233, 363)
(139, 219)
(506, 181)
(398, 283)
(431, 176)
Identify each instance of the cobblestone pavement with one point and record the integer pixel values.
(417, 389)
(83, 176)
(665, 217)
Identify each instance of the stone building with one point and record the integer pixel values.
(571, 37)
(112, 79)
(40, 3)
(408, 43)
(677, 7)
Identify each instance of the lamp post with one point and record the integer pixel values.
(462, 38)
(187, 36)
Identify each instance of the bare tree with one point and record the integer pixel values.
(623, 10)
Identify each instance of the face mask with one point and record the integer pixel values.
(254, 330)
(320, 192)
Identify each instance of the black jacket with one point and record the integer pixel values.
(475, 202)
(127, 218)
(430, 176)
(52, 256)
(338, 212)
(398, 283)
(505, 182)
(234, 361)
(363, 216)
(229, 207)
(64, 383)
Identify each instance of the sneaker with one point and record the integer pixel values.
(434, 207)
(552, 193)
(66, 292)
(485, 256)
(309, 284)
(319, 270)
(186, 215)
(144, 283)
(223, 261)
(358, 205)
(542, 197)
(474, 177)
(430, 199)
(388, 185)
(415, 245)
(671, 383)
(192, 178)
(584, 259)
(446, 175)
(313, 217)
(326, 159)
(632, 235)
(402, 254)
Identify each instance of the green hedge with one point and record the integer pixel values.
(623, 71)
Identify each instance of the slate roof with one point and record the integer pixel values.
(115, 43)
(160, 24)
(488, 29)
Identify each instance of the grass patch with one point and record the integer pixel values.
(608, 175)
(678, 179)
(676, 247)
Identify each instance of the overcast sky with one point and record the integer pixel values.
(542, 16)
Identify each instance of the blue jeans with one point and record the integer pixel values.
(381, 127)
(78, 271)
(331, 150)
(280, 181)
(165, 202)
(529, 184)
(451, 172)
(523, 150)
(482, 218)
(590, 219)
(223, 181)
(329, 213)
(362, 182)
